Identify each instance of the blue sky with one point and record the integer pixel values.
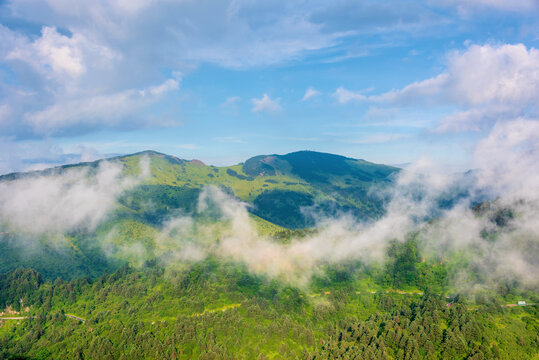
(219, 81)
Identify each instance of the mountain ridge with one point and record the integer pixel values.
(279, 187)
(178, 160)
(299, 189)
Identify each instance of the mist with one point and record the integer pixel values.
(76, 198)
(448, 213)
(505, 178)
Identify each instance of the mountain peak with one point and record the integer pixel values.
(316, 166)
(153, 154)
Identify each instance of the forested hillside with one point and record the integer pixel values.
(297, 256)
(291, 196)
(217, 310)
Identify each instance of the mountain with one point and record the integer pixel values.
(174, 268)
(281, 192)
(345, 185)
(287, 190)
(316, 167)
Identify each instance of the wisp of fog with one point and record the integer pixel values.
(448, 213)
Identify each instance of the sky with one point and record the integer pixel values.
(221, 81)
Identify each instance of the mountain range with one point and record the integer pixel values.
(282, 193)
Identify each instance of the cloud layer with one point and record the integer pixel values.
(77, 198)
(505, 173)
(102, 64)
(486, 83)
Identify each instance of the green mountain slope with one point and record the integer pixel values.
(283, 189)
(281, 192)
(279, 187)
(69, 295)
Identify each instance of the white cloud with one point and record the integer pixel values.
(484, 81)
(168, 85)
(343, 95)
(61, 202)
(266, 104)
(417, 92)
(480, 75)
(52, 54)
(508, 159)
(56, 56)
(111, 110)
(474, 119)
(506, 74)
(311, 92)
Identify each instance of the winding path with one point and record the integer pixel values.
(75, 317)
(27, 317)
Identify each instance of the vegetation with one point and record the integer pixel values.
(216, 309)
(113, 293)
(342, 184)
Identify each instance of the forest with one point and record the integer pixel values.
(217, 310)
(301, 256)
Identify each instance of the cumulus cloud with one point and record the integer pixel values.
(508, 159)
(56, 56)
(487, 83)
(266, 104)
(506, 74)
